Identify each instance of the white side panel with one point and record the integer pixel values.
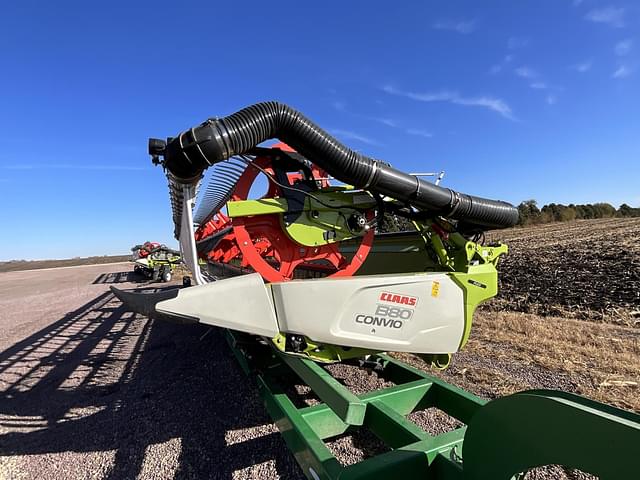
(239, 303)
(422, 313)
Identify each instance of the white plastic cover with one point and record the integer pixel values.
(421, 313)
(240, 303)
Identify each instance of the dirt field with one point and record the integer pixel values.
(88, 390)
(588, 269)
(18, 265)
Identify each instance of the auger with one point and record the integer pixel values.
(309, 273)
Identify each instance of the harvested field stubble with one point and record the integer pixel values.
(587, 269)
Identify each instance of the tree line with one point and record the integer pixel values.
(530, 214)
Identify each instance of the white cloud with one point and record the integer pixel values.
(385, 121)
(460, 26)
(526, 72)
(517, 42)
(338, 105)
(623, 48)
(350, 135)
(622, 72)
(419, 132)
(583, 66)
(498, 67)
(538, 85)
(612, 16)
(342, 107)
(494, 104)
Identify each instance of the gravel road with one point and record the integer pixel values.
(88, 390)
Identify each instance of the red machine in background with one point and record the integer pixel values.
(144, 250)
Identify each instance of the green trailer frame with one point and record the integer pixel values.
(499, 439)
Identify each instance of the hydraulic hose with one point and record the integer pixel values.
(190, 153)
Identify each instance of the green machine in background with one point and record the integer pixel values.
(155, 261)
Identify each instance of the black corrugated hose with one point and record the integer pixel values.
(190, 153)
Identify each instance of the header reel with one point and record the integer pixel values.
(295, 229)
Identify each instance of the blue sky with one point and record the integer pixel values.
(515, 100)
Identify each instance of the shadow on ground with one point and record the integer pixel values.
(104, 379)
(121, 277)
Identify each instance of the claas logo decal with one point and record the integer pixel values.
(390, 316)
(399, 299)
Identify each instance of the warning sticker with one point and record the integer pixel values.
(435, 289)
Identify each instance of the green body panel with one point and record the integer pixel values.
(393, 253)
(322, 222)
(321, 352)
(476, 273)
(479, 285)
(262, 206)
(171, 262)
(323, 219)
